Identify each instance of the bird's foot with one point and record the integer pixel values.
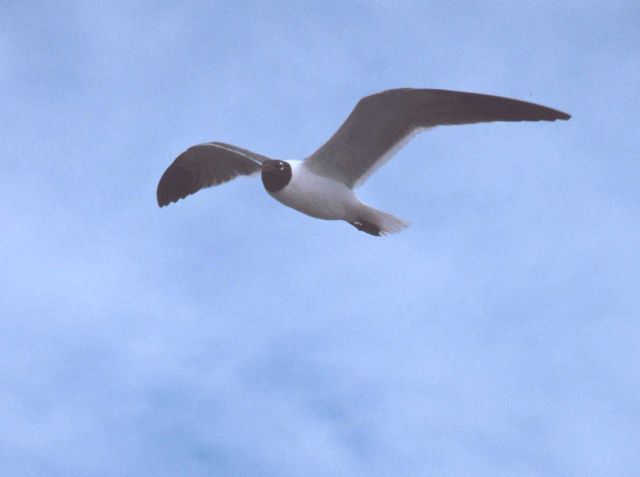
(367, 227)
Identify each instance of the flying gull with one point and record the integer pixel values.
(322, 185)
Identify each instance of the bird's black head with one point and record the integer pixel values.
(275, 175)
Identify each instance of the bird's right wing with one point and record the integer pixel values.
(205, 165)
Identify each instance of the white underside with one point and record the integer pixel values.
(317, 196)
(329, 199)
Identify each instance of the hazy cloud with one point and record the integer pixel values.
(227, 335)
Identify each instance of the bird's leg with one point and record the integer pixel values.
(367, 227)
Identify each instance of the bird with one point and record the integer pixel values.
(323, 184)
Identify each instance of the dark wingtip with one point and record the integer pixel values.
(176, 183)
(160, 197)
(162, 194)
(163, 202)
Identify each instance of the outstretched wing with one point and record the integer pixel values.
(205, 165)
(381, 123)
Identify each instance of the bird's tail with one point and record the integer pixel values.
(376, 222)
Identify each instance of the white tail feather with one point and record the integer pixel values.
(387, 223)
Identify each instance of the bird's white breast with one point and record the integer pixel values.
(315, 195)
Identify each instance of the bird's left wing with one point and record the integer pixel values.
(205, 165)
(382, 122)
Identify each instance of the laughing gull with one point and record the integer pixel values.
(323, 184)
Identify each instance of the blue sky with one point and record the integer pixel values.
(227, 335)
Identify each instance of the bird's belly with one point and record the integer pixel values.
(318, 197)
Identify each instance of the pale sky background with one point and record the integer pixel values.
(227, 335)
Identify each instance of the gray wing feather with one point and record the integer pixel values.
(381, 122)
(205, 165)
